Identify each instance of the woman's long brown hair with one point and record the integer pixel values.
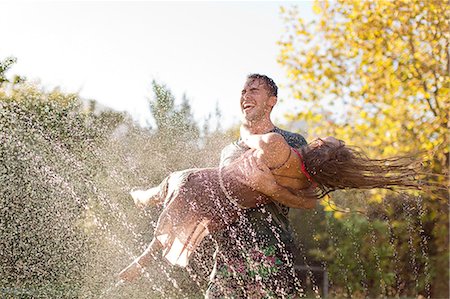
(337, 166)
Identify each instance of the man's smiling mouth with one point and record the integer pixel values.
(247, 106)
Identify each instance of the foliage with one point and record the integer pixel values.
(45, 160)
(67, 222)
(135, 157)
(383, 65)
(376, 74)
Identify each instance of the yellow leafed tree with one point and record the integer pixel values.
(376, 74)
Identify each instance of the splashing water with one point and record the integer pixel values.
(424, 247)
(68, 225)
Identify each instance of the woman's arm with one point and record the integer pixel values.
(259, 177)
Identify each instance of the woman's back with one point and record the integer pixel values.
(288, 174)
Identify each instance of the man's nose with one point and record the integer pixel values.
(246, 95)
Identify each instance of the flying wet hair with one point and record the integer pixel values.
(271, 87)
(337, 166)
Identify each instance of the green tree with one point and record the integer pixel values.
(67, 222)
(177, 135)
(46, 159)
(170, 119)
(143, 157)
(5, 65)
(50, 173)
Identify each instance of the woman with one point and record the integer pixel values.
(200, 201)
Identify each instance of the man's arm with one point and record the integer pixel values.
(293, 199)
(261, 179)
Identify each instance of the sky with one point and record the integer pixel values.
(111, 51)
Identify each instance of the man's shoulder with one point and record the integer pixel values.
(293, 139)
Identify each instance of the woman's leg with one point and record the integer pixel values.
(157, 195)
(137, 267)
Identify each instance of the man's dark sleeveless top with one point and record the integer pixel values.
(251, 254)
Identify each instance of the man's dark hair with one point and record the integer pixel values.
(270, 85)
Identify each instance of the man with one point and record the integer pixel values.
(254, 256)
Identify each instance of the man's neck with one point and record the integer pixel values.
(260, 127)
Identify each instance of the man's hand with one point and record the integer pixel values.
(257, 176)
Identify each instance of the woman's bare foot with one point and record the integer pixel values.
(131, 273)
(146, 198)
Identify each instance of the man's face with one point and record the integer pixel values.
(256, 104)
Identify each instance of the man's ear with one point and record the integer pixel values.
(273, 100)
